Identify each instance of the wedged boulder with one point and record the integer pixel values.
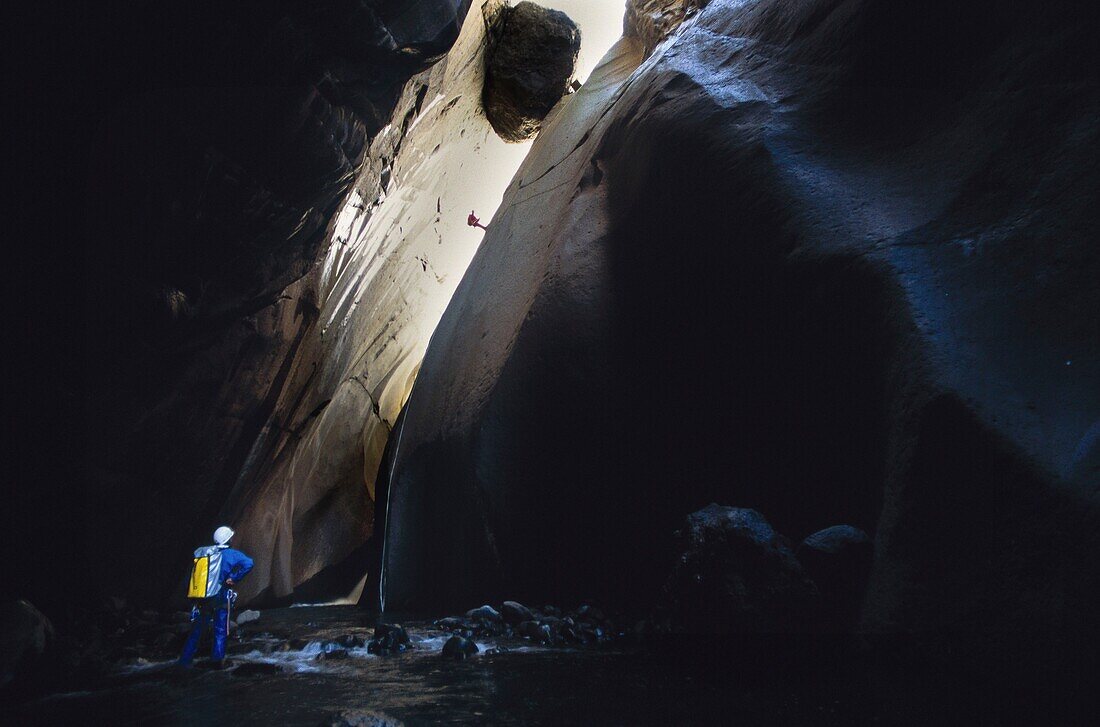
(838, 559)
(26, 637)
(530, 61)
(735, 573)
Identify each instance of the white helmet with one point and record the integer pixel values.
(222, 535)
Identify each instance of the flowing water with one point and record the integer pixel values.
(512, 681)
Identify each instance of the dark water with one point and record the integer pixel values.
(693, 682)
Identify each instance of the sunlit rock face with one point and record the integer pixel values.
(397, 249)
(530, 61)
(831, 261)
(225, 140)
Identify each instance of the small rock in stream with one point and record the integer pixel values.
(388, 638)
(459, 648)
(246, 616)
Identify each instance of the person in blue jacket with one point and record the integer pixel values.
(235, 566)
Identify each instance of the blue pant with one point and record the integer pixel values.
(219, 616)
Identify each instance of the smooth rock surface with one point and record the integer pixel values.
(835, 261)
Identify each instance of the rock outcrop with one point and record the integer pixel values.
(735, 574)
(530, 61)
(833, 260)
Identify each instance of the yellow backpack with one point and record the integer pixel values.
(206, 573)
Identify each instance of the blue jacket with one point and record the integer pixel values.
(235, 565)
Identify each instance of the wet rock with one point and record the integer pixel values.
(839, 560)
(513, 612)
(452, 623)
(735, 573)
(396, 632)
(332, 655)
(529, 64)
(459, 648)
(388, 638)
(247, 616)
(486, 613)
(257, 669)
(26, 638)
(362, 719)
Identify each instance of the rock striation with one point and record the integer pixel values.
(530, 61)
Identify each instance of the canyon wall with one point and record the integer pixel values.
(834, 261)
(224, 141)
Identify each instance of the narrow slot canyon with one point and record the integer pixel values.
(569, 362)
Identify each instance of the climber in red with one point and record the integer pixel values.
(473, 221)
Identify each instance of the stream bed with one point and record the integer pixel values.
(278, 675)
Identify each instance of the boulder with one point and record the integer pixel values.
(735, 573)
(486, 613)
(529, 63)
(459, 648)
(838, 560)
(26, 638)
(246, 617)
(514, 613)
(388, 638)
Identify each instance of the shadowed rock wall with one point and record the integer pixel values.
(224, 139)
(833, 261)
